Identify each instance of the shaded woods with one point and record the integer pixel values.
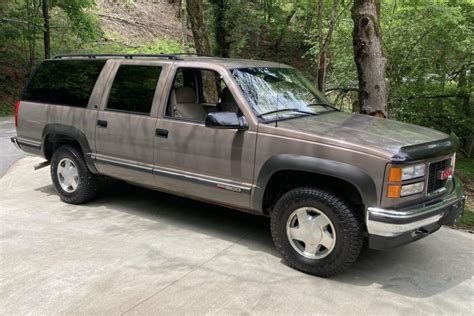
(406, 60)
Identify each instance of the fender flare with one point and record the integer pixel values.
(356, 176)
(74, 133)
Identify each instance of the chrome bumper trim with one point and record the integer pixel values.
(392, 230)
(391, 223)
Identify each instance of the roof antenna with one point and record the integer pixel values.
(278, 101)
(277, 113)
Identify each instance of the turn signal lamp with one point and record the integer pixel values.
(395, 174)
(393, 191)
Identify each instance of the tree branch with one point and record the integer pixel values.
(18, 21)
(408, 53)
(441, 96)
(343, 89)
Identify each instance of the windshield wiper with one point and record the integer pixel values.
(286, 110)
(325, 105)
(319, 104)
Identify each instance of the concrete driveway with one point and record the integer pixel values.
(134, 251)
(8, 152)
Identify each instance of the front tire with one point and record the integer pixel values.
(316, 231)
(72, 179)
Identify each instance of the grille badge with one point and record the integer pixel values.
(445, 174)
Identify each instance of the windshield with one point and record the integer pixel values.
(279, 93)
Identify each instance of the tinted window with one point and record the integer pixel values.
(67, 82)
(211, 86)
(133, 88)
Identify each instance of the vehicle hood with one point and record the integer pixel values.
(405, 141)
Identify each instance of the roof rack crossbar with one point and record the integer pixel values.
(126, 56)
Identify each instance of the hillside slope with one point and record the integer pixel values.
(139, 21)
(130, 23)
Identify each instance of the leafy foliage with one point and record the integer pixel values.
(428, 45)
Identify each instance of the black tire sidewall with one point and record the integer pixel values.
(87, 182)
(348, 236)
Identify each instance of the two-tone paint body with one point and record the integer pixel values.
(228, 166)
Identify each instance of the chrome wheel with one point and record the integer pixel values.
(68, 175)
(311, 233)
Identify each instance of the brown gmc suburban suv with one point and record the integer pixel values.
(250, 135)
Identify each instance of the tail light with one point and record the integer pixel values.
(17, 108)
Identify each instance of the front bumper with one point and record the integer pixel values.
(392, 228)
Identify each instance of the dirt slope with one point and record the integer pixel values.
(135, 22)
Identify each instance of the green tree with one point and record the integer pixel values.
(228, 25)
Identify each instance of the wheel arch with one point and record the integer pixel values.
(342, 174)
(56, 135)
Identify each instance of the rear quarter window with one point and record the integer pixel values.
(64, 82)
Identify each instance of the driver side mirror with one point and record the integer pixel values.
(226, 120)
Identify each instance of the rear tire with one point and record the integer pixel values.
(72, 179)
(316, 231)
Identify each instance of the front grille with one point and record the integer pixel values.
(435, 168)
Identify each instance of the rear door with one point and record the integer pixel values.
(61, 95)
(125, 129)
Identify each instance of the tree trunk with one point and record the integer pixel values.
(195, 13)
(179, 5)
(46, 33)
(32, 11)
(324, 42)
(320, 7)
(184, 22)
(369, 57)
(309, 18)
(465, 87)
(324, 46)
(267, 9)
(283, 31)
(321, 60)
(465, 107)
(322, 64)
(221, 32)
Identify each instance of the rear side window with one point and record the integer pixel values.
(133, 88)
(64, 82)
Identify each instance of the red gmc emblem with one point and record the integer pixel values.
(445, 174)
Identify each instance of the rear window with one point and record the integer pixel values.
(64, 82)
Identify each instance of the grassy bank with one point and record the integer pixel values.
(465, 170)
(6, 109)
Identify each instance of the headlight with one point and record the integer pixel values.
(414, 171)
(398, 174)
(413, 188)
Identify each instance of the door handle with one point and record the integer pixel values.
(102, 124)
(161, 132)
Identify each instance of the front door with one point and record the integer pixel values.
(125, 130)
(197, 161)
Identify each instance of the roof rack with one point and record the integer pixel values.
(126, 56)
(193, 55)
